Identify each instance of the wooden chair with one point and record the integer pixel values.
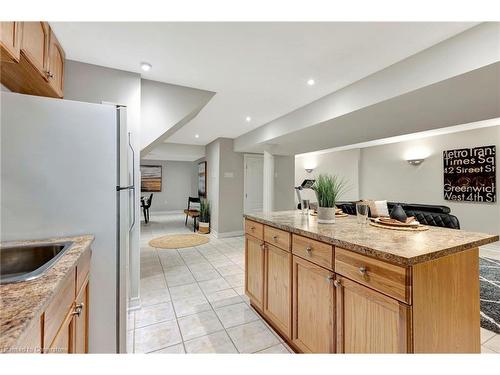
(190, 212)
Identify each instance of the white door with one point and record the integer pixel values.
(254, 182)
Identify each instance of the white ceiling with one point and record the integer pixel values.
(256, 69)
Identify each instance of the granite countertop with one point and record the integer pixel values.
(22, 302)
(399, 247)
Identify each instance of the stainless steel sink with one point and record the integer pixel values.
(27, 262)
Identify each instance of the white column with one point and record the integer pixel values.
(268, 188)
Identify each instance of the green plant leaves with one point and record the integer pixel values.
(328, 189)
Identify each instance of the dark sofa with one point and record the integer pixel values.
(438, 216)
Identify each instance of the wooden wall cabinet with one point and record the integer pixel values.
(313, 304)
(37, 58)
(10, 41)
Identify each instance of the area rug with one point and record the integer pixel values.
(489, 279)
(178, 241)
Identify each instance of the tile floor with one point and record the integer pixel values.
(193, 299)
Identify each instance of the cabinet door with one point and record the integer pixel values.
(63, 342)
(278, 288)
(81, 320)
(370, 322)
(254, 270)
(35, 45)
(55, 66)
(10, 40)
(313, 305)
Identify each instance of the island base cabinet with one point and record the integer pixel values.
(254, 275)
(313, 306)
(64, 341)
(370, 322)
(278, 288)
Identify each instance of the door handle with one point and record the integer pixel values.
(132, 187)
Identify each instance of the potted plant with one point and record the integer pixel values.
(328, 189)
(204, 219)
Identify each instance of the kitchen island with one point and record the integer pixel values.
(351, 288)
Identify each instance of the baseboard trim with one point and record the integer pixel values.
(134, 303)
(236, 233)
(166, 212)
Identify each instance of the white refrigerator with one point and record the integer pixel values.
(65, 172)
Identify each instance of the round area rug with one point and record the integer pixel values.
(177, 241)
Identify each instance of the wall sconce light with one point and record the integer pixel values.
(415, 161)
(309, 170)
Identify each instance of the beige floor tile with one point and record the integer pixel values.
(185, 291)
(191, 306)
(155, 297)
(179, 279)
(235, 280)
(205, 275)
(493, 343)
(153, 283)
(156, 337)
(200, 324)
(234, 315)
(174, 349)
(276, 349)
(223, 298)
(214, 285)
(486, 335)
(252, 337)
(218, 342)
(231, 269)
(154, 314)
(485, 350)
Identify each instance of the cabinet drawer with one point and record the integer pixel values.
(314, 251)
(58, 309)
(82, 269)
(277, 237)
(385, 277)
(254, 229)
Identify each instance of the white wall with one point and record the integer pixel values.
(384, 174)
(3, 88)
(344, 164)
(284, 182)
(92, 83)
(165, 108)
(177, 185)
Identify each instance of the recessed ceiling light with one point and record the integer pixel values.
(197, 136)
(248, 119)
(310, 82)
(146, 66)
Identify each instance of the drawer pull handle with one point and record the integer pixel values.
(78, 309)
(329, 278)
(262, 246)
(275, 238)
(50, 74)
(362, 270)
(252, 228)
(337, 283)
(309, 250)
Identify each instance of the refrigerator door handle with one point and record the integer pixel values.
(132, 187)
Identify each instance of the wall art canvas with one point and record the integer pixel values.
(151, 178)
(469, 174)
(202, 179)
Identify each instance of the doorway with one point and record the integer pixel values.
(253, 183)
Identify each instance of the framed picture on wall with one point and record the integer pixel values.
(202, 179)
(151, 178)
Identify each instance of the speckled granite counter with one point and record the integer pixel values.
(22, 302)
(399, 247)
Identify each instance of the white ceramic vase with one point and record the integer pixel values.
(326, 215)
